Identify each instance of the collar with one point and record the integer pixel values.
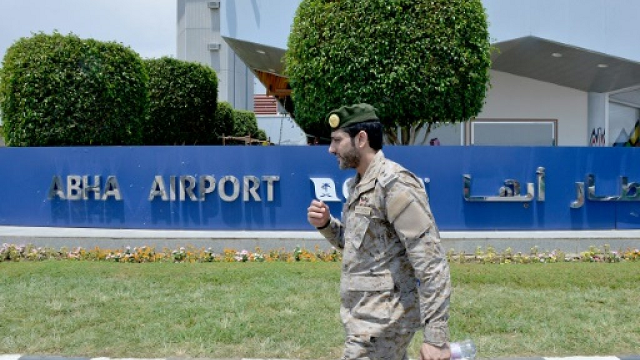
(373, 170)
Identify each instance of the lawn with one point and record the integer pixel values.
(290, 310)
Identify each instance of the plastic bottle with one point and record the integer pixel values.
(463, 350)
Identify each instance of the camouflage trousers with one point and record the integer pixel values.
(360, 347)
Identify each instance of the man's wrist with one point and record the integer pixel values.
(325, 225)
(436, 334)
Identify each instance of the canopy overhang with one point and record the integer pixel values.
(266, 62)
(564, 65)
(529, 56)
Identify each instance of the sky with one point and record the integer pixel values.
(148, 27)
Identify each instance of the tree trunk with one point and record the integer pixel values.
(391, 135)
(407, 135)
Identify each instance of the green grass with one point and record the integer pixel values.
(290, 310)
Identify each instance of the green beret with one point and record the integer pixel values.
(350, 115)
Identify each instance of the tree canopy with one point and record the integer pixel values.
(419, 62)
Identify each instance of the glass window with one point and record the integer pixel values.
(513, 132)
(623, 120)
(445, 134)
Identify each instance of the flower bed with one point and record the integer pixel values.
(146, 254)
(593, 254)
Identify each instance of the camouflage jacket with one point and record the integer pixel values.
(395, 276)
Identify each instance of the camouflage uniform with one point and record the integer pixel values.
(395, 277)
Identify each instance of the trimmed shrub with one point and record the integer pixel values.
(224, 122)
(245, 123)
(182, 103)
(61, 90)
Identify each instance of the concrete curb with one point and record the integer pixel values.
(467, 241)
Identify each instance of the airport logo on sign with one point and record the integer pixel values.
(325, 189)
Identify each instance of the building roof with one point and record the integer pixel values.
(564, 65)
(266, 62)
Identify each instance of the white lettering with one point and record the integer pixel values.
(56, 189)
(112, 189)
(196, 189)
(79, 188)
(235, 186)
(158, 188)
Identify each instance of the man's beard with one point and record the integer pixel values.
(350, 159)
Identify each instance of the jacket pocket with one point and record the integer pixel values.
(371, 295)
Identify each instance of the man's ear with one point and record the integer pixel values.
(363, 138)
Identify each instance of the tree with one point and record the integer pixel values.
(182, 103)
(419, 62)
(62, 90)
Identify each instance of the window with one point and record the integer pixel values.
(513, 132)
(443, 134)
(624, 118)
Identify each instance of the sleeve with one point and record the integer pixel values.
(334, 233)
(408, 210)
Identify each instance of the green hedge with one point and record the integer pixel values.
(63, 90)
(245, 123)
(182, 103)
(224, 122)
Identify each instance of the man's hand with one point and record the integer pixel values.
(318, 213)
(432, 352)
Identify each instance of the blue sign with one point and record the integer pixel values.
(269, 188)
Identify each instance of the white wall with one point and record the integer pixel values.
(281, 130)
(516, 97)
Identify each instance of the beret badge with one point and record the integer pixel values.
(334, 121)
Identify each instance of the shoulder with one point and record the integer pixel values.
(393, 174)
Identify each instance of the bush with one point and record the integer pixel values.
(224, 122)
(62, 90)
(182, 103)
(245, 124)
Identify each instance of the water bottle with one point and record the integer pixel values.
(463, 350)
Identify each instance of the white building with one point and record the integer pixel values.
(567, 72)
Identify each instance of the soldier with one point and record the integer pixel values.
(395, 277)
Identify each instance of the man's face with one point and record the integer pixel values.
(343, 147)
